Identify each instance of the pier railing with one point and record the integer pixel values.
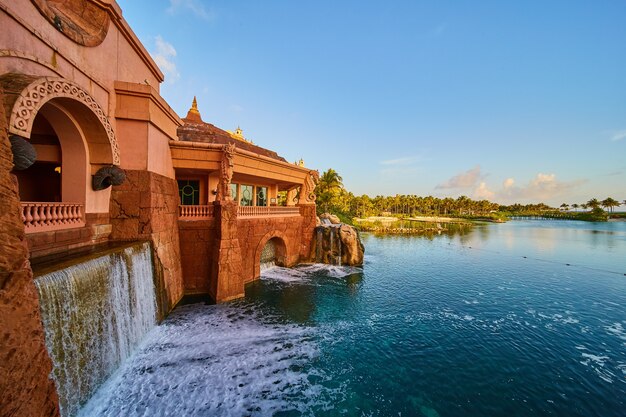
(203, 212)
(45, 217)
(267, 211)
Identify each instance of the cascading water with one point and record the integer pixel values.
(336, 244)
(328, 244)
(268, 255)
(94, 314)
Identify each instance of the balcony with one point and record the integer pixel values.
(271, 211)
(195, 212)
(46, 217)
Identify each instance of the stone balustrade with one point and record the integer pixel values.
(205, 212)
(267, 211)
(45, 217)
(195, 212)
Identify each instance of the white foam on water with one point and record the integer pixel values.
(305, 273)
(616, 329)
(226, 360)
(332, 271)
(278, 273)
(597, 362)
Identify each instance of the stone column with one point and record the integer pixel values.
(25, 386)
(308, 213)
(145, 207)
(226, 280)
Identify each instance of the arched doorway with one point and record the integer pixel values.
(273, 253)
(72, 138)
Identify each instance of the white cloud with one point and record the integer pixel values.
(165, 52)
(399, 161)
(542, 188)
(464, 180)
(618, 135)
(508, 183)
(483, 193)
(194, 6)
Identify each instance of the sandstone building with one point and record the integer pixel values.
(92, 154)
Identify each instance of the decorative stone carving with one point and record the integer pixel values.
(24, 154)
(84, 22)
(307, 191)
(44, 89)
(106, 177)
(292, 196)
(226, 173)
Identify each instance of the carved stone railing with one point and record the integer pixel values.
(195, 212)
(45, 217)
(271, 211)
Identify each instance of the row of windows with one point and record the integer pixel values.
(189, 192)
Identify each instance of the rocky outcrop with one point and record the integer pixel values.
(328, 218)
(336, 243)
(25, 386)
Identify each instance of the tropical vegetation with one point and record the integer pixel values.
(334, 198)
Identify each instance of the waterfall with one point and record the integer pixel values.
(328, 244)
(95, 313)
(339, 244)
(268, 255)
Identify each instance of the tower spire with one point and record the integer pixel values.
(193, 115)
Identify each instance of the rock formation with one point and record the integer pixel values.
(335, 243)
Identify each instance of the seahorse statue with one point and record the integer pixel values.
(307, 191)
(226, 173)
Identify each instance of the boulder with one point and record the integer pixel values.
(331, 218)
(353, 249)
(337, 244)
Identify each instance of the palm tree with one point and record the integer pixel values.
(328, 187)
(575, 206)
(593, 203)
(564, 206)
(609, 203)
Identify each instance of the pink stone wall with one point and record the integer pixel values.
(25, 388)
(197, 239)
(145, 207)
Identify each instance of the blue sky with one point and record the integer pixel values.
(512, 101)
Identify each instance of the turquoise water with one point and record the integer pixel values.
(516, 319)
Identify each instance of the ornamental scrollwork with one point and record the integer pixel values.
(35, 95)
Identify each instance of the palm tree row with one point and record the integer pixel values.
(608, 203)
(332, 196)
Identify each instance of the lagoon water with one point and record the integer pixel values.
(516, 319)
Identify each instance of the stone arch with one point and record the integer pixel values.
(281, 240)
(103, 147)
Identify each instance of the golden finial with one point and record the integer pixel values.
(193, 114)
(301, 162)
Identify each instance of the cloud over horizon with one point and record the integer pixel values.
(163, 57)
(464, 180)
(541, 188)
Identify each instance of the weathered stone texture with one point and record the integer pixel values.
(96, 230)
(197, 239)
(145, 207)
(227, 276)
(25, 386)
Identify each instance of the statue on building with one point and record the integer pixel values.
(226, 173)
(307, 191)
